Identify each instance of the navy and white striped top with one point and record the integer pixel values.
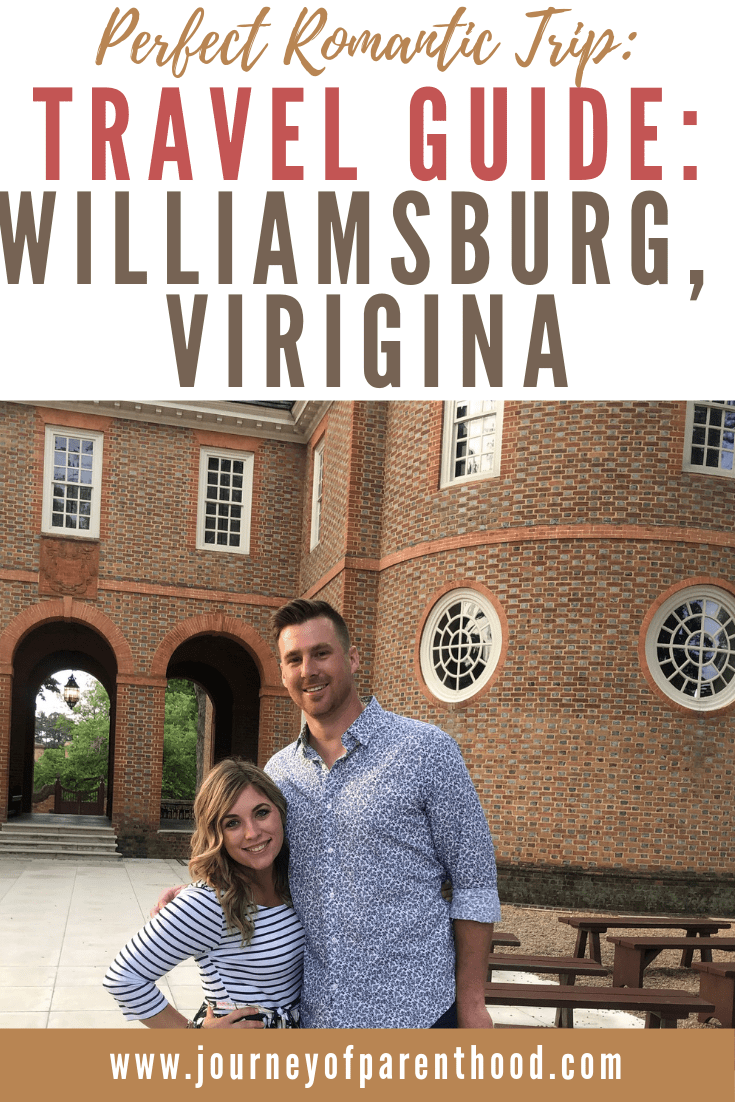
(267, 972)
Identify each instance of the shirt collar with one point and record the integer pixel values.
(359, 733)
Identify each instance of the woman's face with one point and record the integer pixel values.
(252, 830)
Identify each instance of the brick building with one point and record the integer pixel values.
(551, 582)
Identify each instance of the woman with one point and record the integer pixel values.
(236, 919)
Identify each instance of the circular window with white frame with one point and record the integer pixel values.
(460, 645)
(690, 648)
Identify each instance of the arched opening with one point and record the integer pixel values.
(214, 687)
(52, 646)
(71, 744)
(227, 673)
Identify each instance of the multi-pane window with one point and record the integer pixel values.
(690, 647)
(710, 437)
(471, 444)
(72, 482)
(225, 495)
(460, 645)
(316, 494)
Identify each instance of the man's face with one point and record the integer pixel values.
(315, 668)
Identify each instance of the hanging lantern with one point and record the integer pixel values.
(71, 693)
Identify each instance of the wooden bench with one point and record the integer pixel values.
(634, 954)
(717, 985)
(593, 926)
(566, 968)
(663, 1009)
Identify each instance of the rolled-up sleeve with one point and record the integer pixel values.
(461, 835)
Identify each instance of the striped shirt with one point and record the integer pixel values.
(267, 972)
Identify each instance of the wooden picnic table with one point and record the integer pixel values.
(592, 926)
(717, 985)
(634, 954)
(663, 1009)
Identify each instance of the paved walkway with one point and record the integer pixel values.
(61, 924)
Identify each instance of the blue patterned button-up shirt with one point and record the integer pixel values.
(371, 841)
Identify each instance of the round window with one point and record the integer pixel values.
(460, 645)
(690, 648)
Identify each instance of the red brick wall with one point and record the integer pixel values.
(337, 437)
(342, 568)
(577, 761)
(562, 463)
(138, 756)
(149, 506)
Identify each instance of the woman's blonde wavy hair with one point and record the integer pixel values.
(210, 860)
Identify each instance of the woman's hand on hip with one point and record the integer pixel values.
(233, 1020)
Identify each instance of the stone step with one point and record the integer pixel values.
(26, 824)
(46, 833)
(53, 843)
(81, 845)
(54, 853)
(95, 843)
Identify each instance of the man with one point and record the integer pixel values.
(381, 809)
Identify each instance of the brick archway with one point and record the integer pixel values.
(34, 628)
(65, 608)
(276, 725)
(218, 624)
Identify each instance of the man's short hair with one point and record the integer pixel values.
(301, 611)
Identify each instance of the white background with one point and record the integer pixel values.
(103, 341)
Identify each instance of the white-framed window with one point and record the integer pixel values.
(690, 647)
(317, 489)
(471, 441)
(460, 645)
(225, 500)
(709, 445)
(72, 482)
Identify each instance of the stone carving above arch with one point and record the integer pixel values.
(217, 623)
(65, 608)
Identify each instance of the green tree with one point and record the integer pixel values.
(82, 763)
(50, 685)
(179, 741)
(48, 767)
(54, 729)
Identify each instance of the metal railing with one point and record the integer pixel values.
(177, 809)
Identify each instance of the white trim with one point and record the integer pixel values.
(699, 468)
(317, 493)
(448, 478)
(696, 592)
(247, 459)
(95, 486)
(432, 679)
(232, 418)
